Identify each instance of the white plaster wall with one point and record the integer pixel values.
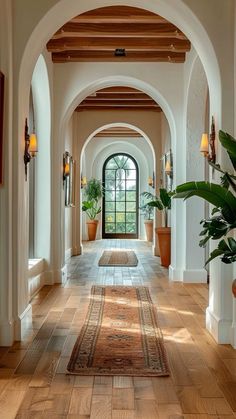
(195, 108)
(8, 289)
(165, 134)
(42, 114)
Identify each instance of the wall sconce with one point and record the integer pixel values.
(30, 147)
(83, 181)
(204, 148)
(168, 169)
(66, 166)
(151, 181)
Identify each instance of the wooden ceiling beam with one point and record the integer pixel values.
(134, 30)
(111, 44)
(81, 108)
(119, 89)
(108, 56)
(118, 96)
(94, 36)
(120, 130)
(114, 102)
(117, 134)
(117, 14)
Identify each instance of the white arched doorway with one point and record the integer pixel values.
(190, 25)
(94, 153)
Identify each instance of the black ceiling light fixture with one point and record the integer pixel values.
(120, 52)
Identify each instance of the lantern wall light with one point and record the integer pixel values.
(206, 144)
(66, 166)
(151, 181)
(83, 181)
(31, 147)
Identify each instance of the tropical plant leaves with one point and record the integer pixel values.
(213, 193)
(223, 217)
(165, 198)
(226, 250)
(229, 143)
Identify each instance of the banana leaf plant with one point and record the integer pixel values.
(161, 202)
(93, 194)
(223, 215)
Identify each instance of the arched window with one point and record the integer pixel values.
(120, 201)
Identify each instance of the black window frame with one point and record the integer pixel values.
(121, 235)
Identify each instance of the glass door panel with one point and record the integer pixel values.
(120, 208)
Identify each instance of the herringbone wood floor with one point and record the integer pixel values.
(33, 379)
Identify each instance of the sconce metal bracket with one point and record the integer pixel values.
(27, 156)
(212, 155)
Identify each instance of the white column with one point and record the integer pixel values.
(14, 305)
(191, 262)
(219, 312)
(6, 260)
(76, 217)
(58, 206)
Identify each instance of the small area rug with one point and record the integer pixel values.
(118, 258)
(120, 335)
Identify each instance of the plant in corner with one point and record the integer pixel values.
(91, 205)
(162, 203)
(147, 211)
(223, 215)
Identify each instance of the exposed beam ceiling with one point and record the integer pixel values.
(118, 99)
(121, 132)
(96, 35)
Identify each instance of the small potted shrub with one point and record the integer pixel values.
(91, 205)
(147, 211)
(162, 203)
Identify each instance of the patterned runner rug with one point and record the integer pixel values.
(120, 335)
(118, 258)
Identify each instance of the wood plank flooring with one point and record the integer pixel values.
(33, 379)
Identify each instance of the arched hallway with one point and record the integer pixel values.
(202, 373)
(96, 78)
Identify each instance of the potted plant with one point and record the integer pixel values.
(91, 205)
(223, 215)
(162, 203)
(147, 211)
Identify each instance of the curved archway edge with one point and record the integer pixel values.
(53, 18)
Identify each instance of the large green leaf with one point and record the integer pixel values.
(165, 198)
(87, 205)
(229, 143)
(156, 204)
(212, 193)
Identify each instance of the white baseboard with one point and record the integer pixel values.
(76, 251)
(233, 335)
(23, 322)
(7, 333)
(195, 276)
(175, 275)
(68, 253)
(191, 276)
(220, 329)
(60, 276)
(155, 250)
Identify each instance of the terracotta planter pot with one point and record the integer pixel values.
(149, 230)
(164, 239)
(234, 288)
(92, 229)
